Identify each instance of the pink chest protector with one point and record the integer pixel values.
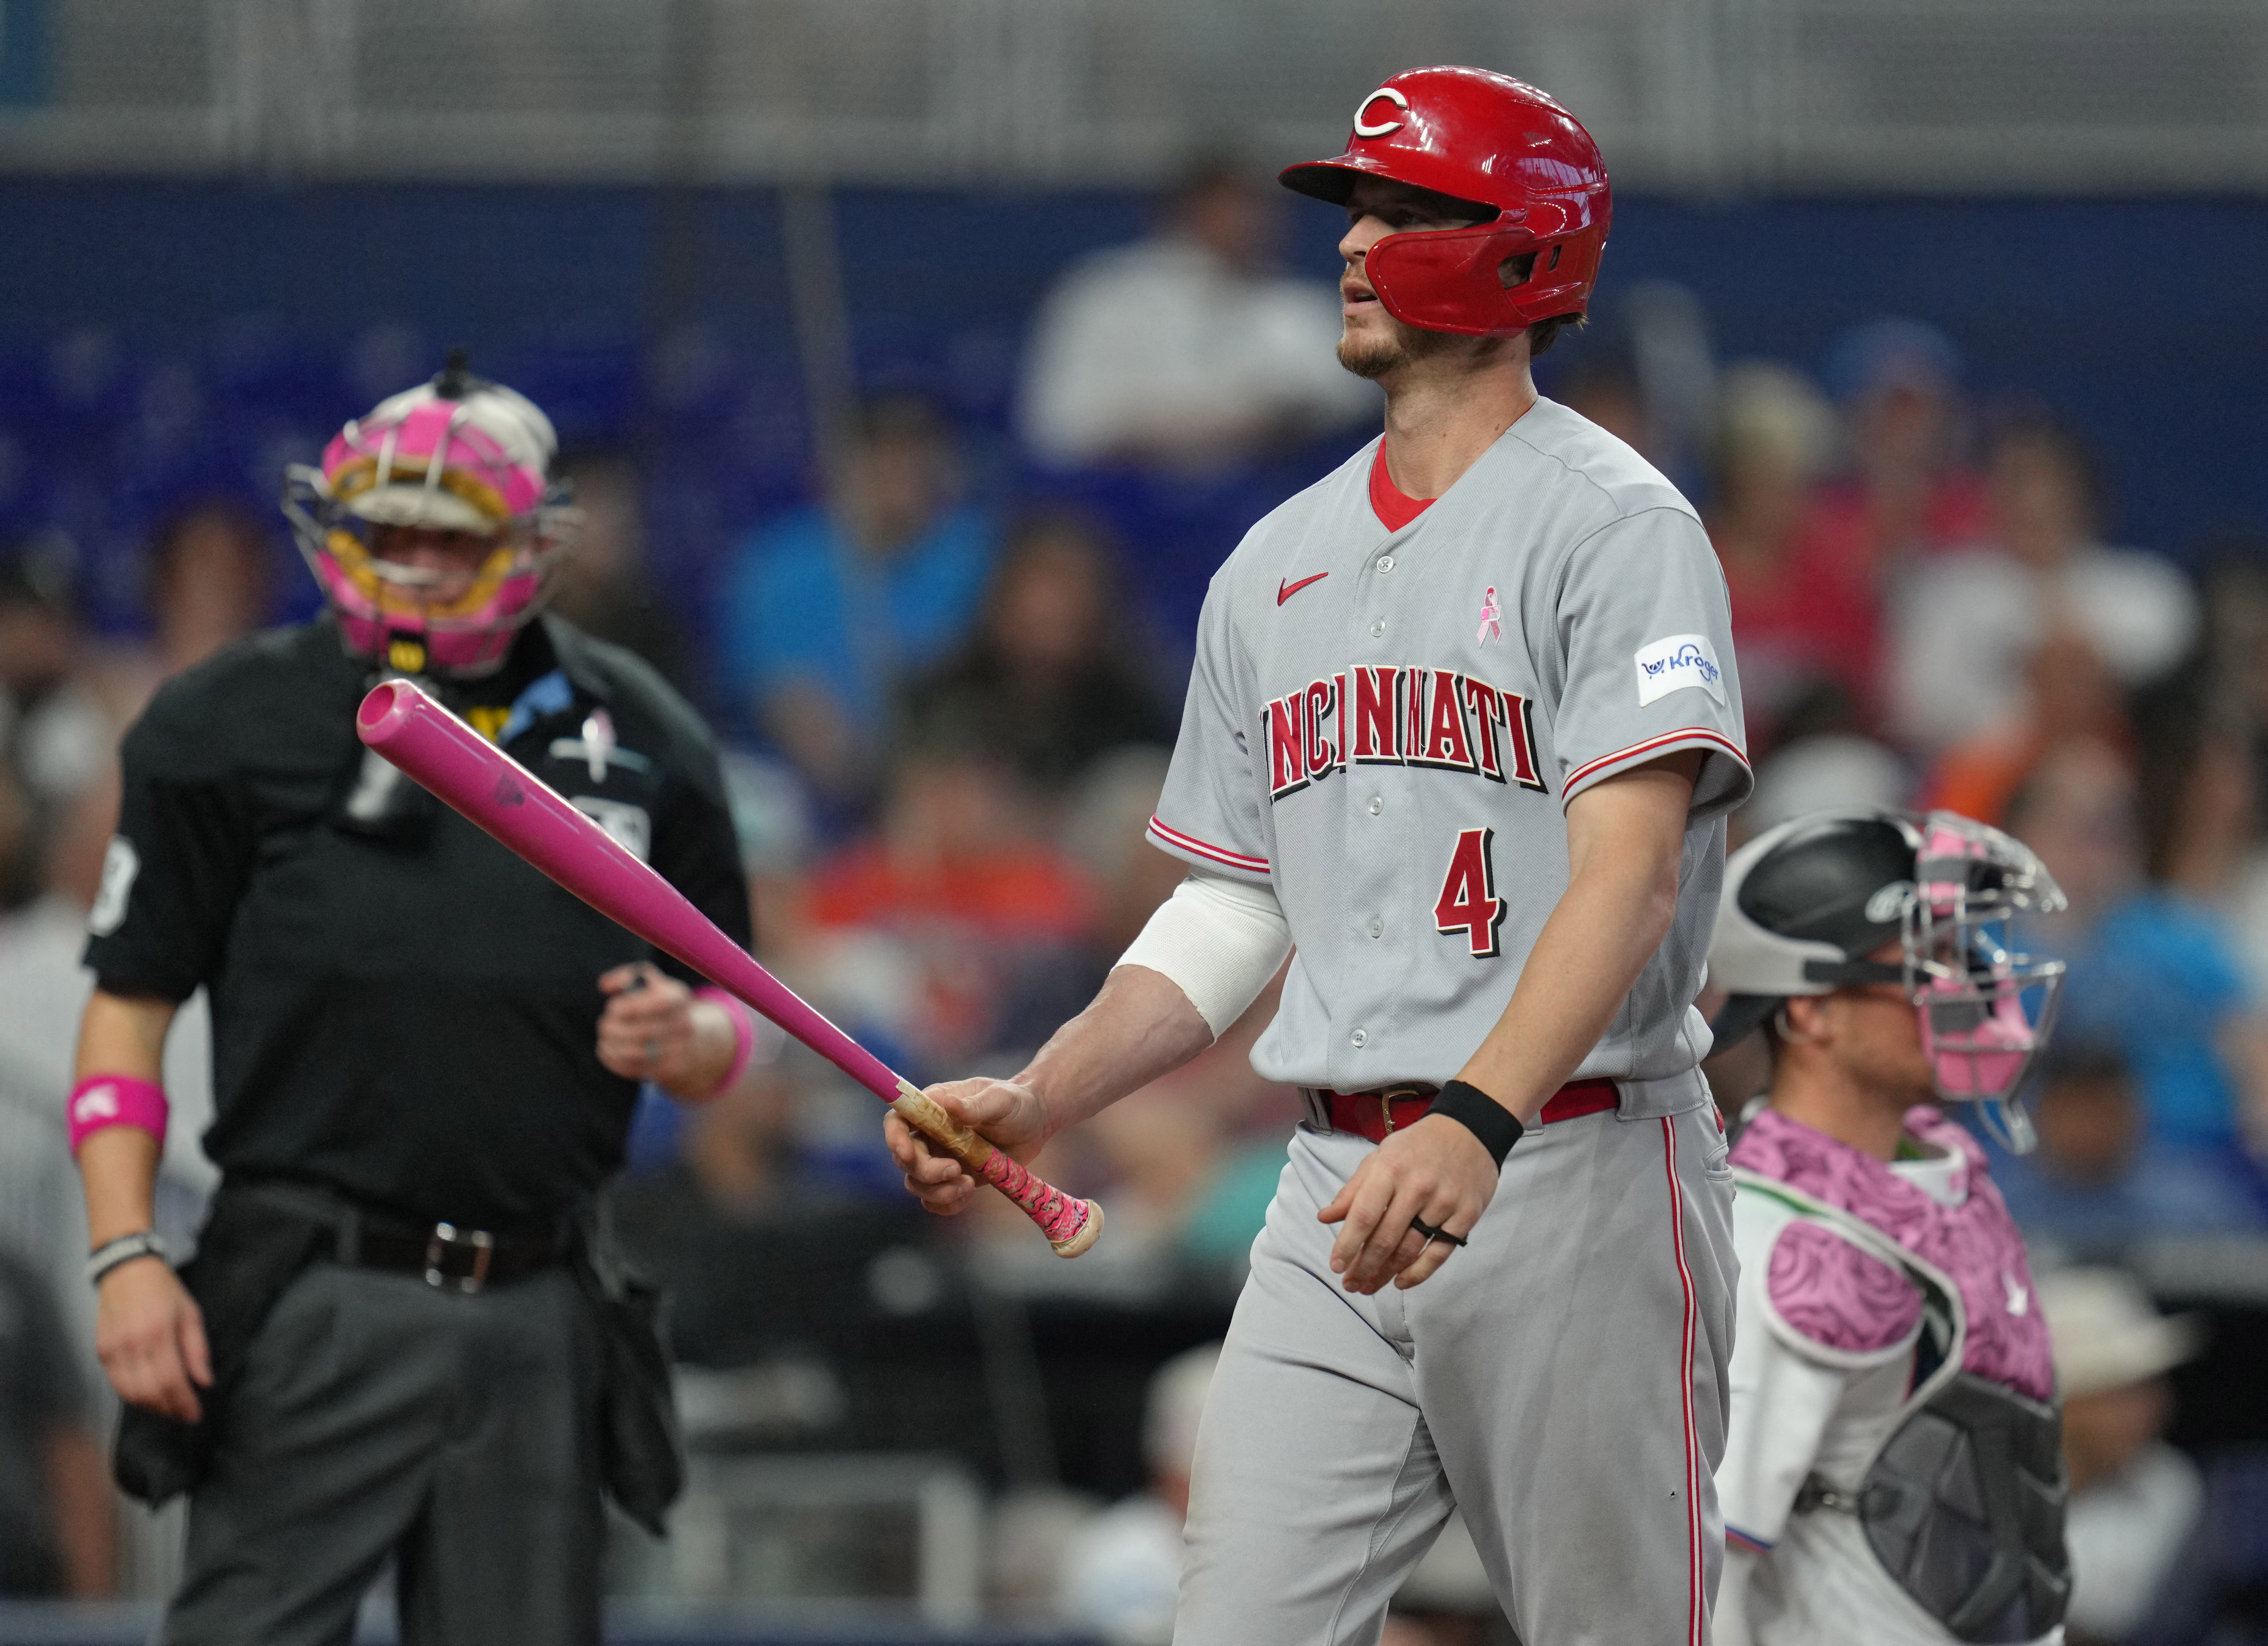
(1827, 1288)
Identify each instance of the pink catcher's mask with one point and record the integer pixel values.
(457, 454)
(1985, 1009)
(1923, 902)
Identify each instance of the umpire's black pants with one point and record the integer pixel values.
(377, 1415)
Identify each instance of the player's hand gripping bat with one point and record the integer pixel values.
(495, 791)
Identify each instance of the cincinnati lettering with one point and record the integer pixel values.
(1397, 715)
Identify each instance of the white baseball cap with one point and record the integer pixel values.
(2106, 1333)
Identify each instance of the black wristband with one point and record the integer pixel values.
(1487, 1119)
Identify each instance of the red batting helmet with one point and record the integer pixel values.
(1504, 146)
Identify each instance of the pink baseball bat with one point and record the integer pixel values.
(407, 726)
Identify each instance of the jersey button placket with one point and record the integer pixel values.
(1367, 878)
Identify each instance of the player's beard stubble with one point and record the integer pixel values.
(1368, 354)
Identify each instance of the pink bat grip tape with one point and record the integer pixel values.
(102, 1101)
(1061, 1217)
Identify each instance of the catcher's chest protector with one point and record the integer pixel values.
(1964, 1508)
(1963, 1504)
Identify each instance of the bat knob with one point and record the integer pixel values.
(388, 705)
(1089, 1231)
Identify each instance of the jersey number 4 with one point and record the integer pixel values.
(1468, 902)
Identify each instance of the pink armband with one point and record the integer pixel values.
(744, 1035)
(106, 1100)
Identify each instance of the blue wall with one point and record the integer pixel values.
(208, 331)
(2145, 324)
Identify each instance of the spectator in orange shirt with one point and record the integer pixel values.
(951, 927)
(2069, 698)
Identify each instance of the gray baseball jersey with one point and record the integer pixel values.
(1386, 724)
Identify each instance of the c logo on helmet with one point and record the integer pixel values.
(1392, 96)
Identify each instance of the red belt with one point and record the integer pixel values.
(1374, 1114)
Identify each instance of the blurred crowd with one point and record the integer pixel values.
(1928, 615)
(948, 714)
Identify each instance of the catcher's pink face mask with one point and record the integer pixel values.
(1986, 1010)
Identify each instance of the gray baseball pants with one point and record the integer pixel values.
(379, 1416)
(1561, 1381)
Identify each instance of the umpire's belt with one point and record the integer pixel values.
(446, 1256)
(1388, 1108)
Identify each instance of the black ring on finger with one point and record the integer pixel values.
(1433, 1234)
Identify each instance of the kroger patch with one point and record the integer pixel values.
(1673, 663)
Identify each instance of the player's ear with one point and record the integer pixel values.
(1804, 1020)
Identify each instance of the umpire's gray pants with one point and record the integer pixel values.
(1561, 1381)
(377, 1415)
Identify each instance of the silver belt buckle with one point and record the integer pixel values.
(448, 1235)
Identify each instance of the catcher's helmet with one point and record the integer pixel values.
(1505, 147)
(1806, 906)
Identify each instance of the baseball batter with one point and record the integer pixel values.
(1892, 1477)
(1461, 732)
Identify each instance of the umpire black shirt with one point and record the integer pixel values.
(402, 1010)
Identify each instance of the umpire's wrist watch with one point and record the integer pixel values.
(144, 1243)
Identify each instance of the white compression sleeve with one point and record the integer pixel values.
(1219, 939)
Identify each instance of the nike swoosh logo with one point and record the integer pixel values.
(1285, 591)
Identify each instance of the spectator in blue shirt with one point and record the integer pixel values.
(2155, 966)
(2165, 971)
(2096, 1184)
(830, 608)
